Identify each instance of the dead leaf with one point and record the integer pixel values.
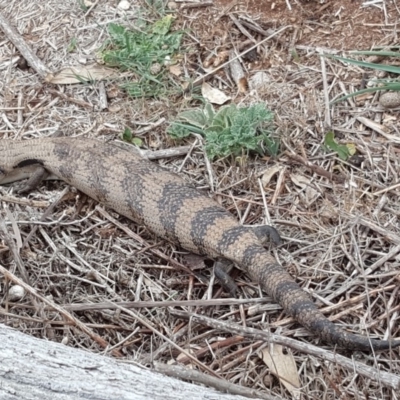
(221, 58)
(175, 70)
(283, 367)
(268, 173)
(82, 73)
(243, 85)
(305, 183)
(327, 211)
(213, 95)
(352, 148)
(153, 287)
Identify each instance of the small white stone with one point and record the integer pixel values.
(259, 80)
(167, 60)
(16, 293)
(124, 5)
(172, 5)
(65, 340)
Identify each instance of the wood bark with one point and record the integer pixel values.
(32, 368)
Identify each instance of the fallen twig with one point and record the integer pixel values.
(200, 80)
(26, 52)
(315, 168)
(219, 384)
(80, 325)
(385, 378)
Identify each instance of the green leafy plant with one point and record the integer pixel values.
(231, 130)
(85, 80)
(344, 151)
(382, 84)
(127, 136)
(157, 6)
(83, 6)
(147, 51)
(295, 55)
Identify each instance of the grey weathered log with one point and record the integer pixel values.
(32, 368)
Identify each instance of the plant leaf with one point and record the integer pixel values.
(231, 131)
(195, 117)
(382, 67)
(385, 53)
(222, 118)
(342, 150)
(127, 135)
(389, 86)
(209, 112)
(162, 26)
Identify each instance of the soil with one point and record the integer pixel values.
(339, 24)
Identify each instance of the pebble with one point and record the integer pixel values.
(390, 99)
(259, 80)
(16, 293)
(124, 5)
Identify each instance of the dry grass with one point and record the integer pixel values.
(339, 219)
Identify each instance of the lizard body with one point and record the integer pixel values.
(162, 201)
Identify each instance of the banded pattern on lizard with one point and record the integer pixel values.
(147, 194)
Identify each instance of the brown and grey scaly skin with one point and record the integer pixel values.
(170, 208)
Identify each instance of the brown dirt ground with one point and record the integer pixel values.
(339, 24)
(339, 220)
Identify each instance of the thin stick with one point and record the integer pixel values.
(18, 41)
(200, 80)
(166, 303)
(385, 378)
(328, 122)
(147, 324)
(219, 384)
(99, 340)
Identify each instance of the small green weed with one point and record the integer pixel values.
(344, 151)
(382, 84)
(157, 6)
(89, 80)
(295, 55)
(231, 130)
(72, 45)
(83, 6)
(147, 51)
(128, 137)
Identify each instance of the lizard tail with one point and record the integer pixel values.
(281, 286)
